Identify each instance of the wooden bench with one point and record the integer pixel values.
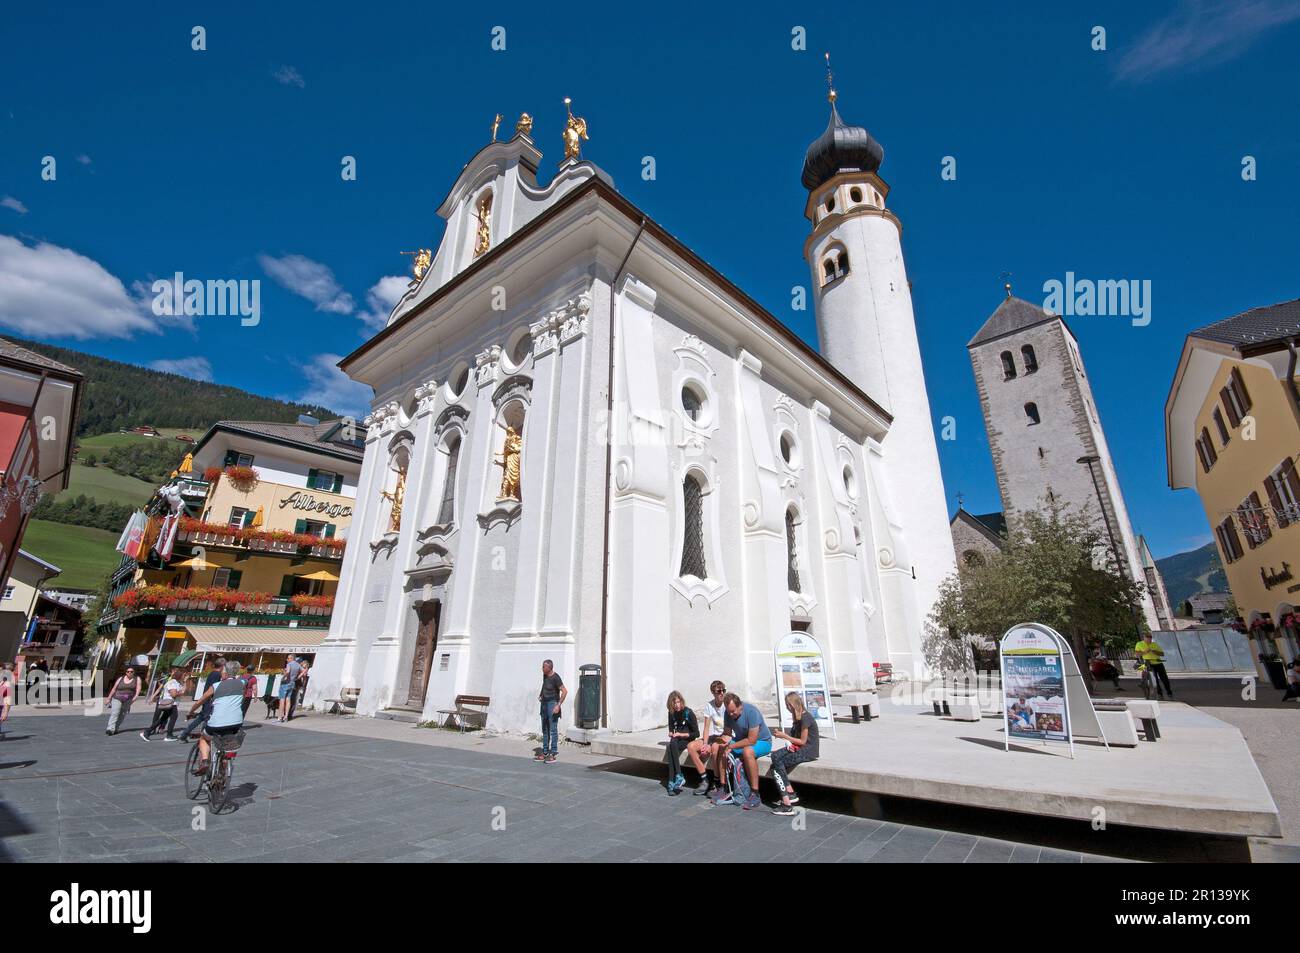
(345, 704)
(468, 707)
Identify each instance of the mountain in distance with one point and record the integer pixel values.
(119, 396)
(1186, 574)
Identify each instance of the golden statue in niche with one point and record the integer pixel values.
(483, 233)
(397, 496)
(575, 130)
(524, 127)
(508, 461)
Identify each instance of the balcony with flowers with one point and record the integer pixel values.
(255, 539)
(216, 604)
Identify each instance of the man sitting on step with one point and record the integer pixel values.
(751, 739)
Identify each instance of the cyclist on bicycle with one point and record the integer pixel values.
(227, 698)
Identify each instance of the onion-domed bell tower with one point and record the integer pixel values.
(866, 328)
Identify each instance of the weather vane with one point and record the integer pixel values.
(1006, 284)
(830, 81)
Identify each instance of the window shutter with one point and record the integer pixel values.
(1240, 387)
(248, 517)
(329, 530)
(1291, 479)
(1230, 406)
(1275, 500)
(1200, 452)
(311, 478)
(338, 483)
(300, 526)
(231, 458)
(232, 581)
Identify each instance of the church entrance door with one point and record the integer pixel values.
(426, 640)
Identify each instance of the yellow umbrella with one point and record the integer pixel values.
(187, 465)
(257, 519)
(324, 575)
(196, 562)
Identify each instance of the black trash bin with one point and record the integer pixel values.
(589, 686)
(1276, 670)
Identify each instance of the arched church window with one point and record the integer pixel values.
(855, 194)
(447, 508)
(1008, 366)
(1031, 411)
(791, 553)
(521, 348)
(842, 264)
(828, 269)
(459, 378)
(1031, 361)
(830, 202)
(693, 528)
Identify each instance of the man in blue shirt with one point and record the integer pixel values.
(751, 739)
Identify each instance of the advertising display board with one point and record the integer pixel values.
(801, 668)
(1043, 689)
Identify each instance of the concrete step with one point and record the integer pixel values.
(411, 716)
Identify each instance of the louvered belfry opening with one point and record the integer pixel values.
(447, 509)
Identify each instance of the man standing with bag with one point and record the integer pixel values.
(551, 697)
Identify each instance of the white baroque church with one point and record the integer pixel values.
(589, 446)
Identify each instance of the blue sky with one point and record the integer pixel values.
(225, 164)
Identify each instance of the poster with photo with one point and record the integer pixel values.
(1033, 681)
(801, 668)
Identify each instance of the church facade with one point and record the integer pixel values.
(588, 446)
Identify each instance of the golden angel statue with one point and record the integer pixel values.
(575, 130)
(508, 461)
(524, 127)
(423, 259)
(396, 496)
(483, 232)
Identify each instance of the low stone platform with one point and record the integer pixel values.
(1199, 777)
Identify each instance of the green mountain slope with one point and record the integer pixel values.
(120, 396)
(85, 555)
(1186, 574)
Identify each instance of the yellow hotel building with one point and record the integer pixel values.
(1232, 432)
(257, 552)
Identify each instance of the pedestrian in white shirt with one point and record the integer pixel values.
(164, 698)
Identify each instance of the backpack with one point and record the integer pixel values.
(739, 784)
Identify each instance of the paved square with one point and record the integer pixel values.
(70, 793)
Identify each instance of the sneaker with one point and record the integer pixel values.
(722, 798)
(143, 736)
(550, 759)
(785, 810)
(679, 782)
(170, 738)
(109, 733)
(540, 756)
(752, 802)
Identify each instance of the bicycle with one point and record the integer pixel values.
(220, 771)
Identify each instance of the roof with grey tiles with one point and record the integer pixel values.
(1273, 323)
(326, 436)
(13, 352)
(1012, 315)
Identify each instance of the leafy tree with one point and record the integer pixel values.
(1056, 568)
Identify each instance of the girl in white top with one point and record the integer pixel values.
(164, 697)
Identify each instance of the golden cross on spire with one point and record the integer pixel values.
(830, 81)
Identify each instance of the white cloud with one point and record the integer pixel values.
(10, 202)
(309, 279)
(381, 297)
(195, 368)
(329, 387)
(48, 291)
(288, 76)
(1203, 33)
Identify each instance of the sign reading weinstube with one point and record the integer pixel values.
(801, 668)
(1033, 686)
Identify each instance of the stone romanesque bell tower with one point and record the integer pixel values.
(867, 330)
